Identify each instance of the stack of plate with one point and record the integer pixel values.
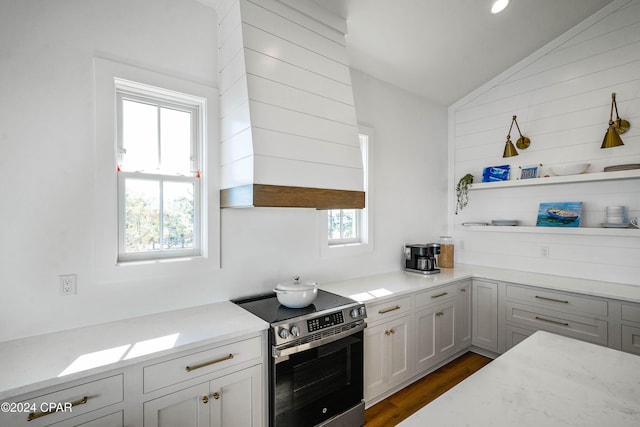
(622, 167)
(503, 222)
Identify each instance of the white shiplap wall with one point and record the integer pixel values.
(287, 110)
(561, 96)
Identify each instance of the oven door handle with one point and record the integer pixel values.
(280, 353)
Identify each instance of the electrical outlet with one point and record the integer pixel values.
(544, 251)
(68, 284)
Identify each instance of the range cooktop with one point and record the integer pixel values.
(268, 308)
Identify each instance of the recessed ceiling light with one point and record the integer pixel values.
(498, 5)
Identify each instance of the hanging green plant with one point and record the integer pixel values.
(462, 192)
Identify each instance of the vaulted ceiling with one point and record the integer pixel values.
(444, 49)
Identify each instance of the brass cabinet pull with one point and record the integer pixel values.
(551, 321)
(463, 290)
(34, 415)
(552, 299)
(439, 295)
(211, 362)
(205, 399)
(216, 395)
(389, 332)
(387, 310)
(439, 314)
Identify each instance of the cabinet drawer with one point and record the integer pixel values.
(631, 339)
(67, 403)
(388, 309)
(631, 312)
(566, 303)
(184, 368)
(582, 328)
(436, 296)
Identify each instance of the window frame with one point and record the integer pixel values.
(107, 268)
(160, 98)
(365, 242)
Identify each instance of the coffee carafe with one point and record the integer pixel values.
(421, 258)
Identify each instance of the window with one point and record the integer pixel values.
(349, 230)
(159, 172)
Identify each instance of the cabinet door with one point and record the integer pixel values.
(399, 362)
(184, 408)
(426, 338)
(435, 334)
(463, 316)
(375, 347)
(485, 315)
(236, 399)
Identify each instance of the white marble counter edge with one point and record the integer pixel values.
(399, 283)
(23, 370)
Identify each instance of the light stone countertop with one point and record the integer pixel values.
(32, 363)
(380, 287)
(546, 380)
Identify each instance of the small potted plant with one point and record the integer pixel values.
(462, 192)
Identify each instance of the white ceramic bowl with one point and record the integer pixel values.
(570, 169)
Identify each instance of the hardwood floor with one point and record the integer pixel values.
(405, 402)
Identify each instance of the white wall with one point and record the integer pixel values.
(47, 164)
(561, 96)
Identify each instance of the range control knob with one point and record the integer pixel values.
(363, 311)
(295, 331)
(283, 333)
(355, 313)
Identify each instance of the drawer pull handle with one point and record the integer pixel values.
(551, 321)
(439, 314)
(387, 310)
(211, 362)
(463, 290)
(552, 299)
(439, 295)
(205, 399)
(34, 415)
(216, 395)
(389, 332)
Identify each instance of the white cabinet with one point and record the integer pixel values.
(630, 328)
(219, 386)
(388, 346)
(232, 400)
(406, 337)
(80, 403)
(436, 319)
(575, 316)
(463, 315)
(485, 315)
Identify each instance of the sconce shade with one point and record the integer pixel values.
(611, 138)
(509, 149)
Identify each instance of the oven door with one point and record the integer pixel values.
(315, 385)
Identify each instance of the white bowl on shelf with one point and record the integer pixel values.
(569, 169)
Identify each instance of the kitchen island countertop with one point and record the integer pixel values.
(384, 286)
(546, 380)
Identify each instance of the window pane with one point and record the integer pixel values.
(139, 136)
(175, 136)
(142, 215)
(334, 224)
(178, 215)
(348, 223)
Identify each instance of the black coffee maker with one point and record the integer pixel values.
(421, 258)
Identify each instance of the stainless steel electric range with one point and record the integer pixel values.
(317, 360)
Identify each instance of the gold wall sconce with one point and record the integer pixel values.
(612, 136)
(522, 143)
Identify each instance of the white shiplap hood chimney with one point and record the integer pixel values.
(288, 126)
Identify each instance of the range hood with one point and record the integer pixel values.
(288, 130)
